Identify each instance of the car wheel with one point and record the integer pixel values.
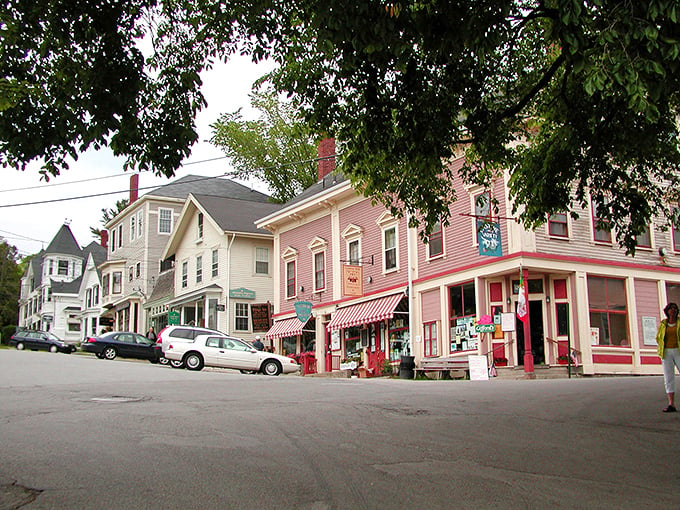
(109, 353)
(271, 367)
(20, 346)
(176, 364)
(163, 360)
(193, 361)
(53, 348)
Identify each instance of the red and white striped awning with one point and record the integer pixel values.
(365, 313)
(285, 327)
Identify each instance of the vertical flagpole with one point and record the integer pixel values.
(528, 356)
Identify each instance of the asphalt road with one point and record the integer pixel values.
(77, 432)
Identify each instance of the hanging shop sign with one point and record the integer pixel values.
(352, 280)
(489, 238)
(303, 310)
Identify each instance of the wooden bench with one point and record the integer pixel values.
(456, 368)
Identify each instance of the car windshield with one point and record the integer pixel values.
(52, 336)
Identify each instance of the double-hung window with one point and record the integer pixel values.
(319, 271)
(199, 269)
(215, 263)
(390, 248)
(435, 241)
(261, 260)
(290, 279)
(241, 317)
(164, 221)
(602, 232)
(185, 274)
(557, 225)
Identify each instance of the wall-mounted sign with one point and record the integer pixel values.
(242, 293)
(303, 310)
(489, 238)
(649, 330)
(485, 328)
(352, 280)
(261, 316)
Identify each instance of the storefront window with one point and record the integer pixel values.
(289, 345)
(562, 319)
(398, 338)
(353, 343)
(462, 316)
(430, 338)
(607, 306)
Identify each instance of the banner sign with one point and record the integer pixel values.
(261, 317)
(352, 280)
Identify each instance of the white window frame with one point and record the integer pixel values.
(161, 220)
(259, 249)
(199, 225)
(133, 223)
(199, 268)
(215, 263)
(387, 222)
(353, 234)
(240, 307)
(289, 255)
(140, 215)
(185, 275)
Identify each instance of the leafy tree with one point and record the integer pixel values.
(108, 215)
(276, 148)
(574, 97)
(10, 280)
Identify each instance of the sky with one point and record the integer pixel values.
(31, 227)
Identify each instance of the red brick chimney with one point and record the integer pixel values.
(326, 163)
(134, 188)
(104, 238)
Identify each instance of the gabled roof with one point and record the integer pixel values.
(198, 184)
(329, 181)
(234, 215)
(64, 242)
(97, 250)
(165, 286)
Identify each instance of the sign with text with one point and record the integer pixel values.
(303, 310)
(485, 328)
(173, 318)
(352, 280)
(261, 316)
(479, 368)
(242, 293)
(489, 238)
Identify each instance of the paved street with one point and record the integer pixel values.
(79, 432)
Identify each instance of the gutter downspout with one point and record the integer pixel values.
(228, 310)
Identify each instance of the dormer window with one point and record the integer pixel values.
(62, 268)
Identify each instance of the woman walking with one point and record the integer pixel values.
(667, 339)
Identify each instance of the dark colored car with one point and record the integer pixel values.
(124, 344)
(39, 341)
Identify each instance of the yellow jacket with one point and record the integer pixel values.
(661, 335)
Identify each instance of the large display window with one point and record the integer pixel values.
(462, 312)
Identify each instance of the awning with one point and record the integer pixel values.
(365, 313)
(285, 327)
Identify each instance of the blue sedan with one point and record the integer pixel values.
(124, 344)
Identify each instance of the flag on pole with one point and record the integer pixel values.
(522, 312)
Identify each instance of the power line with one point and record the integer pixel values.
(94, 195)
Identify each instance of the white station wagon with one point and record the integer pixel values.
(228, 352)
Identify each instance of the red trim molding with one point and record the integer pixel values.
(650, 360)
(625, 359)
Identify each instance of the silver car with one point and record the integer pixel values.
(228, 352)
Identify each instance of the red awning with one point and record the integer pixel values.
(365, 313)
(285, 327)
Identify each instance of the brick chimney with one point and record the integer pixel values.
(134, 188)
(104, 238)
(326, 148)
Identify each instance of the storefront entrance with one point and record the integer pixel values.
(537, 340)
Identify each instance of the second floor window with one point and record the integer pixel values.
(199, 269)
(557, 225)
(138, 270)
(139, 224)
(435, 242)
(62, 268)
(105, 285)
(261, 261)
(133, 224)
(215, 263)
(290, 279)
(164, 221)
(88, 298)
(390, 248)
(95, 295)
(120, 235)
(117, 283)
(319, 271)
(185, 274)
(354, 256)
(131, 273)
(601, 231)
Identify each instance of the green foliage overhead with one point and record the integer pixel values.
(574, 97)
(10, 279)
(277, 148)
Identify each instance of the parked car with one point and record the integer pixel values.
(124, 344)
(228, 352)
(39, 341)
(179, 334)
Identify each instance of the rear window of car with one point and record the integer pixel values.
(183, 333)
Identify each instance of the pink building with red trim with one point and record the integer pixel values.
(377, 291)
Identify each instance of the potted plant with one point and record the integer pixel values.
(500, 362)
(562, 360)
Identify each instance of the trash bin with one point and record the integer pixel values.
(407, 367)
